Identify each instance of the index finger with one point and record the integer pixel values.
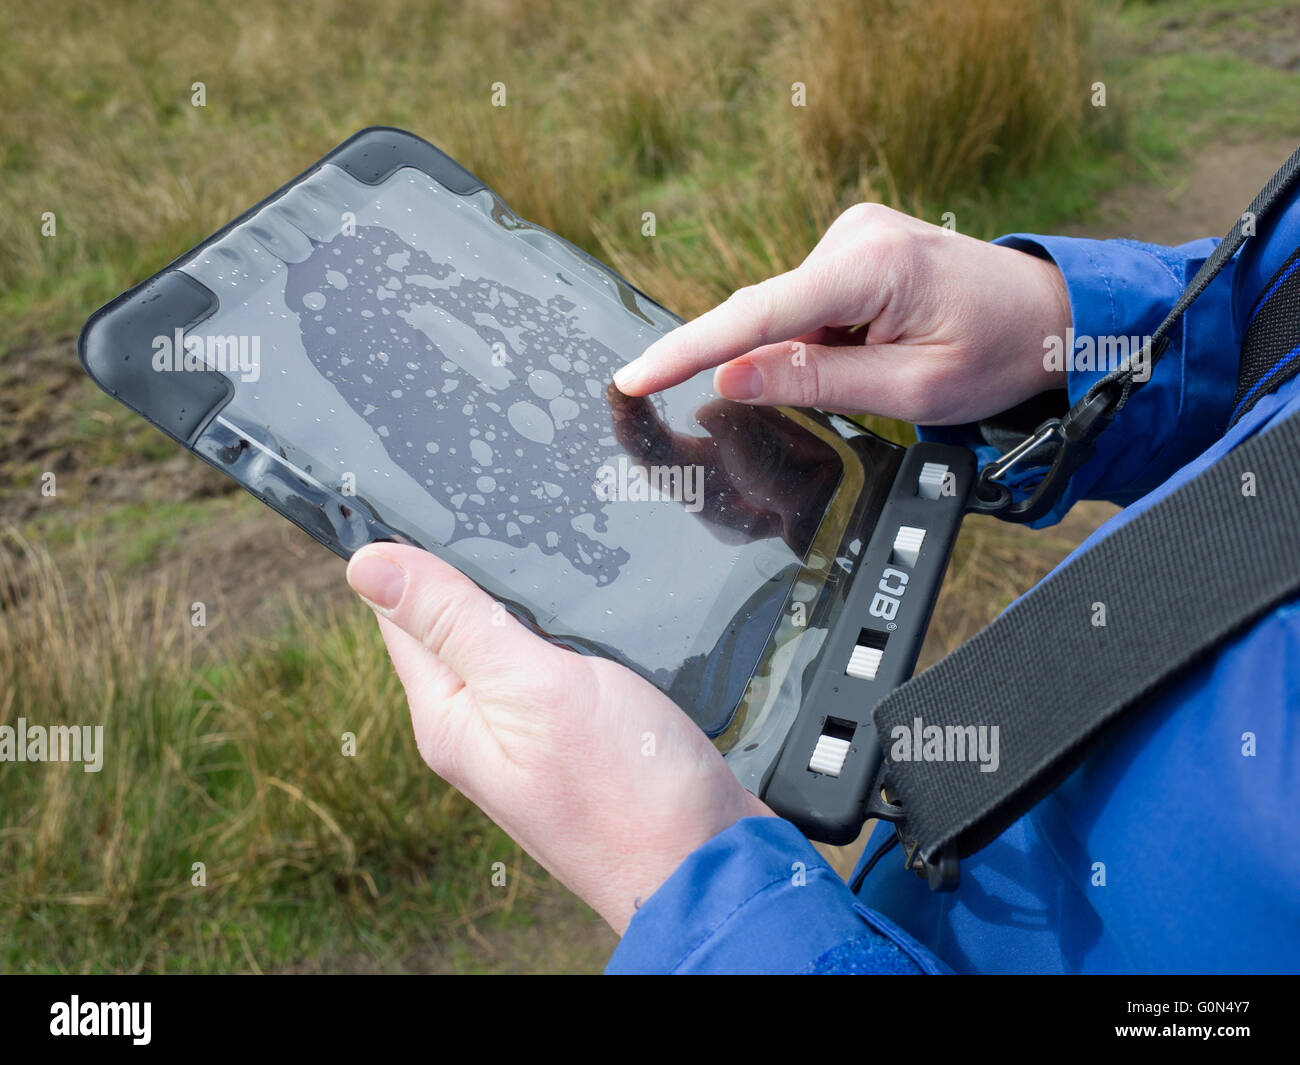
(780, 308)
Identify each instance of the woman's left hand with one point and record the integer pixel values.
(592, 770)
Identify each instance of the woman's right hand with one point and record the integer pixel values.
(955, 327)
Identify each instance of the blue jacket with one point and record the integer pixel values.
(1176, 847)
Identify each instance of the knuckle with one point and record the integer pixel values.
(880, 233)
(861, 214)
(928, 383)
(806, 384)
(898, 257)
(890, 237)
(441, 743)
(757, 304)
(440, 616)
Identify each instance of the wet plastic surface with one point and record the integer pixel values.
(433, 369)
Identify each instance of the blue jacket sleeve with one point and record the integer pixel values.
(1120, 291)
(758, 898)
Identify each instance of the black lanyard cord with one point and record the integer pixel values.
(1073, 436)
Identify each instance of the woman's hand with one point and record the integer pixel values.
(956, 327)
(598, 775)
(592, 770)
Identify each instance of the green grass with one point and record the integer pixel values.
(1163, 110)
(224, 747)
(235, 761)
(133, 536)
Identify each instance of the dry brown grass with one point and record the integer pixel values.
(931, 96)
(679, 108)
(231, 755)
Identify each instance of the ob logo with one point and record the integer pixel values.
(893, 583)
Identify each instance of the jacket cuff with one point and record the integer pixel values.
(758, 898)
(1120, 291)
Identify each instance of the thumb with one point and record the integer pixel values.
(464, 627)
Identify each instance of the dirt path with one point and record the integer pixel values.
(1203, 201)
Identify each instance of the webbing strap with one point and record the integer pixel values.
(1270, 353)
(1059, 667)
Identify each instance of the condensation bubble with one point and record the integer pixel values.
(428, 332)
(532, 422)
(563, 410)
(545, 385)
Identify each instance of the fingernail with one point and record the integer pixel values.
(377, 579)
(739, 381)
(628, 373)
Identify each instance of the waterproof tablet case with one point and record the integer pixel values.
(383, 350)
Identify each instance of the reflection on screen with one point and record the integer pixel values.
(460, 375)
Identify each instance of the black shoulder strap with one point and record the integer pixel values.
(977, 740)
(1086, 647)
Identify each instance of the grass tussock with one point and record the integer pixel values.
(235, 760)
(683, 109)
(936, 96)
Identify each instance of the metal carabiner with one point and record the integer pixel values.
(1075, 436)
